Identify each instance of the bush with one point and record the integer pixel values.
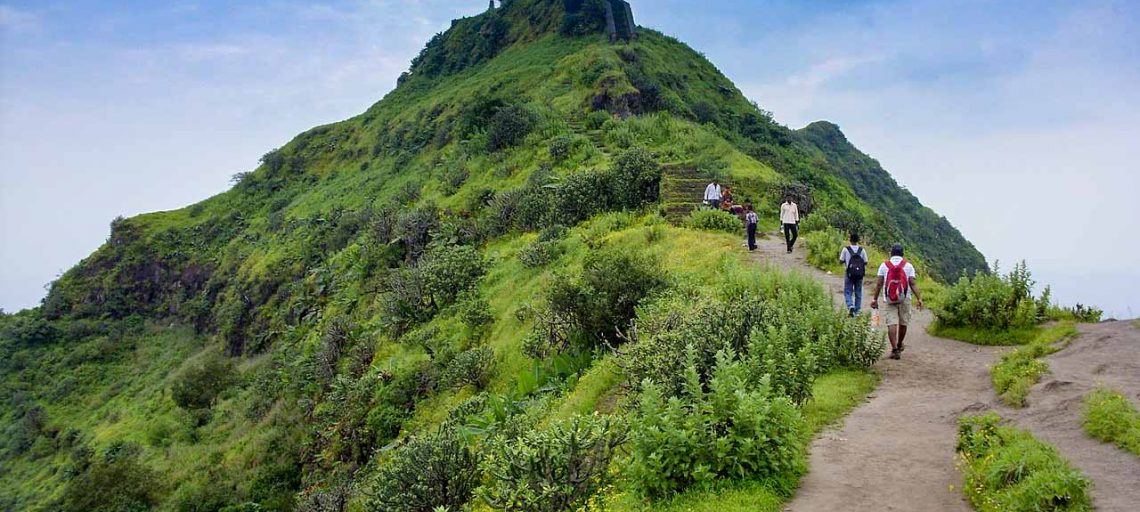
(990, 301)
(449, 270)
(783, 327)
(560, 147)
(436, 470)
(198, 386)
(637, 178)
(540, 253)
(556, 468)
(117, 482)
(470, 367)
(734, 430)
(1110, 417)
(597, 118)
(1008, 470)
(509, 126)
(823, 248)
(603, 299)
(475, 311)
(714, 220)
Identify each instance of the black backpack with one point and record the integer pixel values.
(856, 265)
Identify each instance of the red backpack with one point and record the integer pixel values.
(897, 282)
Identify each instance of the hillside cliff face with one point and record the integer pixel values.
(261, 346)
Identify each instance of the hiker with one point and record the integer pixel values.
(726, 198)
(854, 260)
(790, 219)
(750, 220)
(712, 195)
(896, 282)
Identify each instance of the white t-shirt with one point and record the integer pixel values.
(908, 269)
(845, 255)
(712, 192)
(789, 213)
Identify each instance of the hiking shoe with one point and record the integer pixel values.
(901, 347)
(851, 312)
(895, 354)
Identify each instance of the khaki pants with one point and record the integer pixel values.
(897, 314)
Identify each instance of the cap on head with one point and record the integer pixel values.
(897, 250)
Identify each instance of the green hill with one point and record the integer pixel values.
(448, 272)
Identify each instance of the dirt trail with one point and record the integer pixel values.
(896, 451)
(1104, 354)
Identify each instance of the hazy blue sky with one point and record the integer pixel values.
(1018, 120)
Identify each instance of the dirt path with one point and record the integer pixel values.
(1104, 354)
(896, 451)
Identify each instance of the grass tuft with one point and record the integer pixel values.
(1020, 369)
(1008, 470)
(1110, 417)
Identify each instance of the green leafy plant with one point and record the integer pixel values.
(198, 386)
(1110, 417)
(1008, 470)
(554, 468)
(734, 430)
(472, 367)
(992, 304)
(714, 220)
(436, 470)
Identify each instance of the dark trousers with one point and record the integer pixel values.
(853, 293)
(751, 237)
(791, 233)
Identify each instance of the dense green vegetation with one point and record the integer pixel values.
(1019, 370)
(391, 311)
(996, 309)
(1110, 417)
(1008, 470)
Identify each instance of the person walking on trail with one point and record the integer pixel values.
(750, 220)
(854, 259)
(896, 281)
(712, 195)
(790, 219)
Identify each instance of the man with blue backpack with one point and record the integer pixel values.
(854, 259)
(896, 282)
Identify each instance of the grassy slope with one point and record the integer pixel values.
(115, 387)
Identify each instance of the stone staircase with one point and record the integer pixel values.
(682, 191)
(596, 137)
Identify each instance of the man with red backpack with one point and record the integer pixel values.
(896, 282)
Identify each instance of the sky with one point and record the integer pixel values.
(1017, 120)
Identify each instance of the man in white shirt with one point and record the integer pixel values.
(897, 314)
(790, 219)
(712, 195)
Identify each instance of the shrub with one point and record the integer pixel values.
(436, 470)
(470, 367)
(714, 220)
(782, 327)
(597, 118)
(733, 430)
(1110, 417)
(1008, 470)
(823, 248)
(454, 178)
(117, 482)
(579, 196)
(540, 253)
(990, 301)
(198, 386)
(475, 311)
(449, 270)
(555, 468)
(560, 147)
(603, 299)
(637, 178)
(509, 126)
